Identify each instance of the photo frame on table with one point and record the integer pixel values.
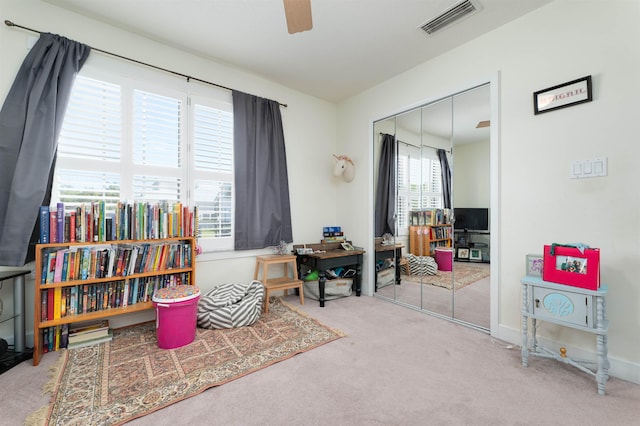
(347, 246)
(475, 254)
(563, 95)
(534, 265)
(463, 253)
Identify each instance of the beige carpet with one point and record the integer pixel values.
(464, 273)
(129, 377)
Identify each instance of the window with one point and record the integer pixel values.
(133, 134)
(419, 182)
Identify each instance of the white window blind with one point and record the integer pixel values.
(419, 183)
(92, 127)
(157, 129)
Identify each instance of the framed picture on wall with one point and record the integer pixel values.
(563, 95)
(463, 253)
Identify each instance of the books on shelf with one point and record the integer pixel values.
(62, 264)
(99, 222)
(61, 302)
(430, 217)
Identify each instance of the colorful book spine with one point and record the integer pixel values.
(60, 222)
(57, 275)
(44, 224)
(72, 226)
(57, 302)
(53, 226)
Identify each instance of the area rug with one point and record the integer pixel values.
(464, 273)
(115, 382)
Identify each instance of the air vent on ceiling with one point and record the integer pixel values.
(449, 16)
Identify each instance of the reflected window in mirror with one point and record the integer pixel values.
(419, 182)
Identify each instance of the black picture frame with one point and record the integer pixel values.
(563, 95)
(463, 253)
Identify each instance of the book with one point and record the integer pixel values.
(90, 342)
(88, 335)
(60, 258)
(45, 267)
(50, 298)
(64, 335)
(45, 340)
(88, 327)
(44, 224)
(57, 302)
(43, 305)
(72, 226)
(53, 226)
(67, 228)
(60, 222)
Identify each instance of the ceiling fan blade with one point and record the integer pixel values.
(298, 13)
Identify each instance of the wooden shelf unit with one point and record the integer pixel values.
(424, 239)
(40, 325)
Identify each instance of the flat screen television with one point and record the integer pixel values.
(471, 219)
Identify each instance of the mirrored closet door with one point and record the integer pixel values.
(416, 187)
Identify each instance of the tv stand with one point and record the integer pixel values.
(472, 245)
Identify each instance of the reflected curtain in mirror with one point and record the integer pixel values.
(445, 171)
(30, 122)
(385, 210)
(262, 207)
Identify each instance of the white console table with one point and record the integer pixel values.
(568, 306)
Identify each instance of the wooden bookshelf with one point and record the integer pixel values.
(423, 240)
(173, 263)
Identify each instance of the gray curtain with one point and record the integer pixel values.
(30, 122)
(445, 171)
(262, 210)
(386, 188)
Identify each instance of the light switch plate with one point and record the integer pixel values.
(596, 167)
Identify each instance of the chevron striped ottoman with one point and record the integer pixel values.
(422, 265)
(231, 305)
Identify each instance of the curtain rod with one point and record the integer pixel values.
(188, 77)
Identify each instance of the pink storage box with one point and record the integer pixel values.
(176, 315)
(444, 259)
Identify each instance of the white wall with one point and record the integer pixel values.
(309, 127)
(539, 204)
(471, 184)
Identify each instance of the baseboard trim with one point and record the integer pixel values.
(619, 368)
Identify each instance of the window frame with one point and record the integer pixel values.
(132, 77)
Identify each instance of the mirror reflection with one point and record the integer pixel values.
(420, 250)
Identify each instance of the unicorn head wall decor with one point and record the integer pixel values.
(344, 167)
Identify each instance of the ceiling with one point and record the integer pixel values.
(354, 44)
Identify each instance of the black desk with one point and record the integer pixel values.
(19, 352)
(384, 252)
(328, 256)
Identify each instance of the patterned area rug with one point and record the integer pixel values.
(464, 273)
(129, 377)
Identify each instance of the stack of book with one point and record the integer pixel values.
(89, 333)
(332, 234)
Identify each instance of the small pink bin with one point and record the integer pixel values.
(176, 314)
(444, 259)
